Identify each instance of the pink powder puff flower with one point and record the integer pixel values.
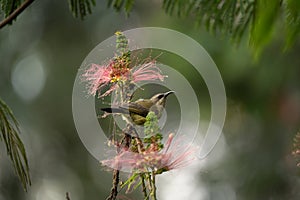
(172, 156)
(99, 76)
(147, 71)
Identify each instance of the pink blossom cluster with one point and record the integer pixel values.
(116, 71)
(172, 156)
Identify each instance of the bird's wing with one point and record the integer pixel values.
(135, 108)
(146, 103)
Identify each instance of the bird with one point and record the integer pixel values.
(139, 109)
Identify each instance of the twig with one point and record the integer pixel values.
(144, 187)
(135, 135)
(148, 178)
(67, 196)
(116, 175)
(140, 147)
(14, 14)
(114, 189)
(153, 192)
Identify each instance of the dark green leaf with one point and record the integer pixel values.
(118, 5)
(15, 149)
(128, 6)
(292, 23)
(262, 28)
(80, 8)
(9, 6)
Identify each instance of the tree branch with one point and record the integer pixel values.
(114, 190)
(67, 196)
(14, 14)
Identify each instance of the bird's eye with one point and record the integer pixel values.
(160, 96)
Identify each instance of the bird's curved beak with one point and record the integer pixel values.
(168, 93)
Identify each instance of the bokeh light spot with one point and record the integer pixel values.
(28, 78)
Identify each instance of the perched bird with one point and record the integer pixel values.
(138, 110)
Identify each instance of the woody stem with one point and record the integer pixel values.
(142, 176)
(153, 192)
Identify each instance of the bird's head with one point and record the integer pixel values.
(160, 98)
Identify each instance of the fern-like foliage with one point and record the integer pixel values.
(14, 146)
(80, 8)
(119, 4)
(9, 6)
(235, 17)
(230, 16)
(292, 16)
(263, 25)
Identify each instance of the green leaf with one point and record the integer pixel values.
(14, 147)
(9, 6)
(230, 17)
(236, 17)
(128, 6)
(292, 22)
(81, 8)
(130, 179)
(262, 29)
(118, 5)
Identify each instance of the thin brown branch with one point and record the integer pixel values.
(114, 189)
(116, 175)
(153, 192)
(144, 189)
(140, 150)
(14, 14)
(67, 196)
(132, 132)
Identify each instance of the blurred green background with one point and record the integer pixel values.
(39, 58)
